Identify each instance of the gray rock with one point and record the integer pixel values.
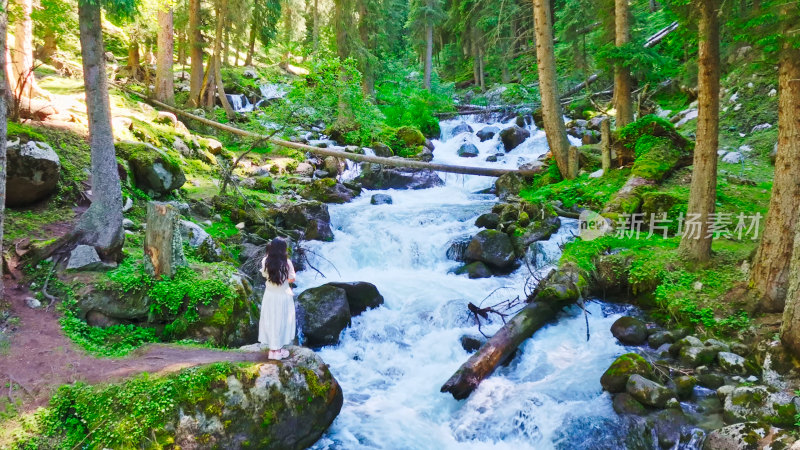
(154, 171)
(513, 136)
(128, 205)
(325, 313)
(660, 338)
(724, 391)
(491, 158)
(250, 73)
(457, 248)
(382, 150)
(181, 147)
(381, 199)
(468, 150)
(697, 356)
(486, 133)
(490, 221)
(491, 247)
(328, 190)
(684, 386)
(648, 392)
(474, 270)
(733, 158)
(462, 127)
(629, 330)
(761, 127)
(508, 185)
(374, 176)
(689, 341)
(731, 362)
(83, 258)
(625, 404)
(32, 303)
(167, 118)
(312, 218)
(128, 224)
(472, 343)
(756, 403)
(33, 173)
(710, 380)
(361, 295)
(683, 117)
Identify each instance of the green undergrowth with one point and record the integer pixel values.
(658, 278)
(130, 414)
(591, 193)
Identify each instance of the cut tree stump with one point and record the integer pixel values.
(163, 246)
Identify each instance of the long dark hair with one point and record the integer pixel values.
(277, 264)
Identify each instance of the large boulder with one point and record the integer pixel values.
(411, 137)
(325, 313)
(84, 257)
(616, 376)
(328, 190)
(361, 295)
(757, 403)
(155, 171)
(731, 363)
(462, 127)
(474, 270)
(468, 150)
(199, 239)
(375, 177)
(491, 247)
(648, 392)
(508, 185)
(749, 436)
(33, 172)
(629, 330)
(486, 133)
(513, 136)
(311, 218)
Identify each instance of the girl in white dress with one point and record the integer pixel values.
(277, 325)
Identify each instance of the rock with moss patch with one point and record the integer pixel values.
(491, 247)
(410, 137)
(697, 355)
(648, 392)
(513, 136)
(490, 221)
(625, 404)
(382, 150)
(474, 270)
(264, 183)
(749, 436)
(328, 190)
(616, 376)
(629, 330)
(684, 386)
(381, 199)
(508, 185)
(33, 171)
(731, 363)
(311, 218)
(325, 312)
(286, 405)
(467, 150)
(154, 170)
(757, 403)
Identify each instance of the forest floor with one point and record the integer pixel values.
(40, 357)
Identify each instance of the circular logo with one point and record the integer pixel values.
(592, 225)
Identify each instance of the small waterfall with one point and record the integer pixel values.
(239, 102)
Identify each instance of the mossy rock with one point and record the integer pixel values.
(563, 286)
(474, 270)
(616, 376)
(328, 190)
(265, 184)
(410, 136)
(155, 171)
(654, 146)
(657, 204)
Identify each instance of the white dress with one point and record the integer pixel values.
(276, 327)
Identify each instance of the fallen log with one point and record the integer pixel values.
(395, 161)
(505, 342)
(660, 35)
(560, 288)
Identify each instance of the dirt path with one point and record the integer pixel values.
(40, 358)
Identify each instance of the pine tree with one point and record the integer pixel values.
(165, 89)
(424, 16)
(703, 192)
(622, 74)
(3, 128)
(195, 52)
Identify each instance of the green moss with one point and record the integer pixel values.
(583, 191)
(24, 132)
(316, 388)
(79, 415)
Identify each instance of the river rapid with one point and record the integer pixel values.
(392, 360)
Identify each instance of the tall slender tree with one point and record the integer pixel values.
(703, 191)
(165, 88)
(622, 74)
(769, 276)
(3, 129)
(21, 79)
(423, 16)
(101, 225)
(551, 107)
(195, 52)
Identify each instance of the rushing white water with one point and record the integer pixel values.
(392, 360)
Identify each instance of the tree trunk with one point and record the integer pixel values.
(101, 225)
(163, 246)
(342, 19)
(222, 6)
(22, 55)
(551, 107)
(3, 128)
(49, 46)
(364, 31)
(703, 191)
(165, 89)
(428, 55)
(605, 145)
(196, 53)
(653, 6)
(770, 273)
(790, 327)
(315, 30)
(622, 75)
(251, 47)
(134, 63)
(226, 37)
(497, 349)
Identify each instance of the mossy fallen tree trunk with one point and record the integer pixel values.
(395, 162)
(560, 288)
